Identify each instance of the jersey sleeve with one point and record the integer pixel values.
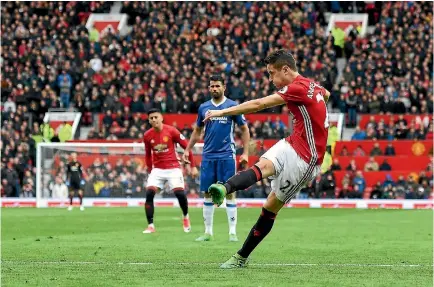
(294, 93)
(199, 121)
(240, 120)
(177, 137)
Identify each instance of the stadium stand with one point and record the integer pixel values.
(49, 59)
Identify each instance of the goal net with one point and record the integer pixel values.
(110, 170)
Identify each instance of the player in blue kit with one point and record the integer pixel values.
(218, 157)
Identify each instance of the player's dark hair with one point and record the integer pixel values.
(281, 58)
(151, 111)
(217, 78)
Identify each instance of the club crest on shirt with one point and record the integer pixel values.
(165, 139)
(152, 141)
(283, 90)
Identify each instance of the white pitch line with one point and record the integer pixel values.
(209, 263)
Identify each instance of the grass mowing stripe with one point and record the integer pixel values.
(211, 263)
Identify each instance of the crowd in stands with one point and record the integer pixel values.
(49, 59)
(390, 71)
(420, 128)
(131, 126)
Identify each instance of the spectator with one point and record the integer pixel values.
(352, 166)
(385, 166)
(328, 186)
(388, 181)
(7, 190)
(345, 191)
(371, 165)
(358, 134)
(351, 104)
(359, 151)
(377, 191)
(423, 190)
(59, 189)
(390, 150)
(335, 165)
(10, 106)
(344, 151)
(65, 84)
(376, 150)
(11, 177)
(28, 191)
(360, 182)
(411, 183)
(389, 192)
(357, 192)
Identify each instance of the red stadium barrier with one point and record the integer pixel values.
(402, 147)
(397, 163)
(372, 177)
(364, 119)
(188, 119)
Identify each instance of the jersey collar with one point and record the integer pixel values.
(222, 102)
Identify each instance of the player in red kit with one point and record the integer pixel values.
(163, 166)
(291, 162)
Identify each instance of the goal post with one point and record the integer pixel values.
(101, 163)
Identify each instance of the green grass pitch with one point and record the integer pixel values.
(307, 247)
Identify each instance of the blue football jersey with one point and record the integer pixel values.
(219, 140)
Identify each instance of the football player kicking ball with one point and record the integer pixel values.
(163, 166)
(218, 157)
(291, 162)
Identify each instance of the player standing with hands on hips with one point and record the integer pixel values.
(291, 162)
(218, 156)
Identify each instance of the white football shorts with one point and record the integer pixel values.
(292, 172)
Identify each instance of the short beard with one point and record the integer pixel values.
(216, 96)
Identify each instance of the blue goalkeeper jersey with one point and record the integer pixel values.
(219, 140)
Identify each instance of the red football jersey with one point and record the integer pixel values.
(305, 101)
(162, 147)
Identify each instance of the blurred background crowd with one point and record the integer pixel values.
(49, 59)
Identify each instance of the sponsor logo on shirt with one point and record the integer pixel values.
(159, 148)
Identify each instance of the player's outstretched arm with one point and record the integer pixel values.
(248, 107)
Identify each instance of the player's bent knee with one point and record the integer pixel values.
(266, 166)
(273, 204)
